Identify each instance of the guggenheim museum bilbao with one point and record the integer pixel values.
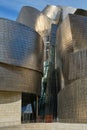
(56, 37)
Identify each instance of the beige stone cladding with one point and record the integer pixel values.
(10, 108)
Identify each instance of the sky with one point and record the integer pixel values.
(10, 8)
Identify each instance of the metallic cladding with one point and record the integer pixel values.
(19, 79)
(64, 38)
(71, 56)
(67, 10)
(72, 34)
(75, 66)
(21, 58)
(72, 102)
(81, 12)
(52, 12)
(33, 18)
(71, 42)
(20, 45)
(79, 31)
(59, 50)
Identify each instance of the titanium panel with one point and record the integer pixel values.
(52, 12)
(20, 45)
(72, 34)
(67, 10)
(64, 38)
(33, 18)
(81, 12)
(19, 79)
(75, 66)
(79, 31)
(72, 102)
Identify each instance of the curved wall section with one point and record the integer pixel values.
(72, 34)
(52, 12)
(67, 10)
(72, 102)
(64, 37)
(21, 58)
(20, 45)
(19, 79)
(81, 12)
(33, 18)
(75, 66)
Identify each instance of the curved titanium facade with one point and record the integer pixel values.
(52, 12)
(72, 34)
(75, 66)
(64, 37)
(21, 57)
(20, 45)
(81, 12)
(67, 10)
(72, 102)
(72, 53)
(33, 18)
(19, 79)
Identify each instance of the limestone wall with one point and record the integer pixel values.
(10, 108)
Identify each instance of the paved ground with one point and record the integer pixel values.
(47, 126)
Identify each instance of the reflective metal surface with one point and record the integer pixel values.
(71, 60)
(75, 66)
(52, 12)
(72, 102)
(72, 34)
(67, 10)
(33, 18)
(64, 38)
(57, 13)
(20, 45)
(21, 58)
(81, 12)
(19, 79)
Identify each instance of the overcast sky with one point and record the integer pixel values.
(10, 8)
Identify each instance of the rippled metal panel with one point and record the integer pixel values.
(19, 79)
(33, 18)
(72, 34)
(81, 12)
(20, 45)
(75, 66)
(64, 37)
(67, 10)
(72, 103)
(79, 31)
(52, 12)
